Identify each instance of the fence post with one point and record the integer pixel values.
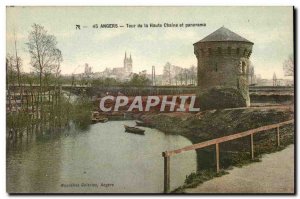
(166, 172)
(251, 146)
(218, 157)
(278, 136)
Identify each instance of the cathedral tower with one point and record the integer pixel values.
(128, 64)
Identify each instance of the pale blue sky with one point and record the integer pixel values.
(270, 28)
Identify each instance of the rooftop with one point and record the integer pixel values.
(223, 34)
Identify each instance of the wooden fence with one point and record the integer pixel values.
(167, 154)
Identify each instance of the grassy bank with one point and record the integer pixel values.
(218, 123)
(212, 124)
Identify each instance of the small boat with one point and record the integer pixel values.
(94, 117)
(134, 130)
(97, 118)
(103, 119)
(94, 120)
(145, 124)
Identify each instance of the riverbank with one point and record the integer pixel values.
(213, 124)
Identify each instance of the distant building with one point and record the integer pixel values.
(127, 64)
(121, 73)
(87, 70)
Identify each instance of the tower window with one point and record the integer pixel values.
(209, 51)
(238, 51)
(245, 51)
(244, 67)
(216, 67)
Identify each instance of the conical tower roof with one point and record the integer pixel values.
(223, 34)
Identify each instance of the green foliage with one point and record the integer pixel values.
(220, 98)
(108, 81)
(56, 114)
(136, 80)
(139, 80)
(196, 178)
(17, 120)
(81, 113)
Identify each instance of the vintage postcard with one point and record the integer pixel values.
(194, 100)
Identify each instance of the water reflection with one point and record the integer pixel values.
(102, 159)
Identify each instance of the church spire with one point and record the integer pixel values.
(125, 55)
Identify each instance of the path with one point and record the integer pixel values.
(274, 174)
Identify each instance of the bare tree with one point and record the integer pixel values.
(13, 72)
(6, 69)
(167, 72)
(18, 62)
(18, 66)
(43, 51)
(14, 69)
(288, 66)
(193, 72)
(57, 70)
(10, 69)
(44, 58)
(251, 74)
(7, 84)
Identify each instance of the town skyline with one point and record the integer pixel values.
(105, 48)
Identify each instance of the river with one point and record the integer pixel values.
(102, 159)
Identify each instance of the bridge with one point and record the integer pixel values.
(148, 90)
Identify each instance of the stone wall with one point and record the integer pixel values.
(224, 64)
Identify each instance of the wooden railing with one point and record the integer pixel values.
(167, 154)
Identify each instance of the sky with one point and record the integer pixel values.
(269, 28)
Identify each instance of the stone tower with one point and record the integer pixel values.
(223, 62)
(128, 64)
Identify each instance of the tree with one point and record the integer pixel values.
(251, 74)
(185, 73)
(18, 66)
(193, 71)
(18, 63)
(167, 72)
(288, 66)
(139, 80)
(14, 69)
(45, 56)
(10, 69)
(52, 74)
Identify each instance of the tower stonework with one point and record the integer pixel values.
(223, 63)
